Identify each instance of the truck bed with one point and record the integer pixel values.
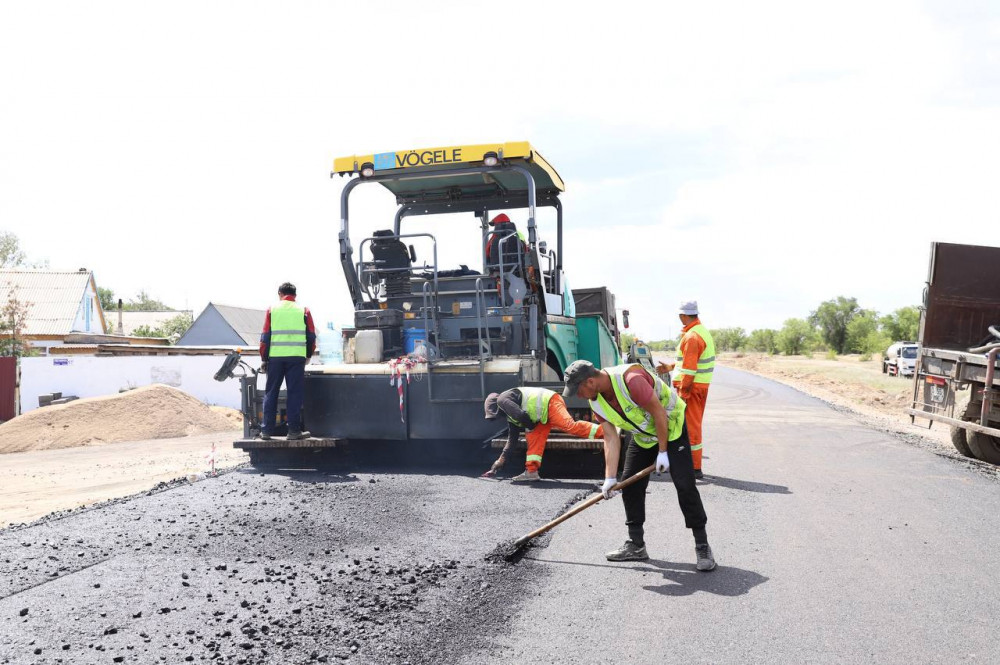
(962, 298)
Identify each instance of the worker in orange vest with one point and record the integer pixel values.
(694, 367)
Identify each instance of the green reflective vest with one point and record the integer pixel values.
(639, 421)
(535, 402)
(706, 362)
(288, 330)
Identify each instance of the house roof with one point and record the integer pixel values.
(55, 297)
(132, 320)
(248, 323)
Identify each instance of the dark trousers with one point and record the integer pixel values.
(638, 458)
(293, 372)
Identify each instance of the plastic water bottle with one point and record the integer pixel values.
(331, 345)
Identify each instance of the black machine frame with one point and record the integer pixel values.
(480, 205)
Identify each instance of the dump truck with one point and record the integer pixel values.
(956, 381)
(431, 341)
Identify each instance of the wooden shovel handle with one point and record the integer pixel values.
(581, 507)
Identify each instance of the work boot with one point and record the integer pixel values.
(526, 477)
(264, 436)
(628, 552)
(706, 561)
(295, 436)
(698, 475)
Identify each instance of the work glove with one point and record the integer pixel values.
(606, 488)
(662, 462)
(263, 367)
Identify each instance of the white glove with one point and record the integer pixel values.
(606, 488)
(662, 462)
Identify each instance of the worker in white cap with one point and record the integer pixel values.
(694, 367)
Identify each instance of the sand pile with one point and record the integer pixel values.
(151, 412)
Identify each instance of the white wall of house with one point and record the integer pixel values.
(93, 376)
(88, 317)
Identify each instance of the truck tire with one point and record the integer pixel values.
(985, 447)
(959, 440)
(959, 436)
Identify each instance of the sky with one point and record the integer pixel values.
(758, 157)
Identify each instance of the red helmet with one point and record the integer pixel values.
(499, 218)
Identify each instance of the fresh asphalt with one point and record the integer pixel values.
(836, 543)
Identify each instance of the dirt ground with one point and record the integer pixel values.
(848, 382)
(150, 412)
(38, 482)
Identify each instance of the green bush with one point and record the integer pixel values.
(831, 355)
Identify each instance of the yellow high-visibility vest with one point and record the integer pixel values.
(638, 420)
(706, 361)
(288, 330)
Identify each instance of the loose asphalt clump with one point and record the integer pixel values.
(283, 568)
(509, 552)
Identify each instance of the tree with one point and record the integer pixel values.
(144, 303)
(171, 329)
(626, 340)
(663, 345)
(832, 317)
(177, 326)
(107, 297)
(11, 255)
(729, 339)
(13, 317)
(795, 336)
(902, 325)
(859, 330)
(764, 340)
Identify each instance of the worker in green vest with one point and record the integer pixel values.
(286, 344)
(537, 410)
(630, 398)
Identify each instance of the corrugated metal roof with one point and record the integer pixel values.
(133, 320)
(248, 323)
(55, 298)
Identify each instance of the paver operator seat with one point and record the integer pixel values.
(392, 263)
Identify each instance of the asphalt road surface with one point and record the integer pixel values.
(835, 543)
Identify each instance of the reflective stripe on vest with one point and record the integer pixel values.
(535, 402)
(288, 330)
(645, 433)
(706, 362)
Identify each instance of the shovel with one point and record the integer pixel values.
(526, 538)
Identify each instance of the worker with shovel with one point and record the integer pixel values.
(632, 399)
(537, 410)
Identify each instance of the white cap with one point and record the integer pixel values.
(689, 307)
